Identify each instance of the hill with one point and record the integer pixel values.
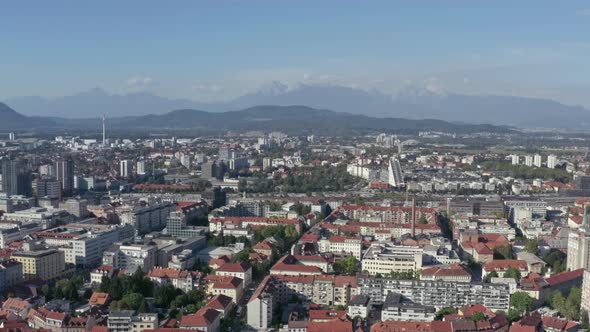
(291, 119)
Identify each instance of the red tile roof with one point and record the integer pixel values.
(326, 314)
(238, 267)
(219, 302)
(562, 277)
(98, 298)
(505, 264)
(203, 317)
(167, 273)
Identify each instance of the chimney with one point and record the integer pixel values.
(413, 217)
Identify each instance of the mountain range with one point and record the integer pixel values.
(289, 119)
(409, 103)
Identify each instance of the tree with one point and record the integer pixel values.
(348, 265)
(512, 273)
(423, 220)
(584, 320)
(532, 246)
(445, 311)
(555, 259)
(504, 252)
(164, 295)
(489, 276)
(134, 300)
(521, 302)
(478, 317)
(513, 315)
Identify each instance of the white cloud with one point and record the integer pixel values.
(139, 81)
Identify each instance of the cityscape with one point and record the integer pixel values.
(320, 206)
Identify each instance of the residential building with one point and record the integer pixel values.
(437, 293)
(205, 320)
(126, 168)
(452, 273)
(578, 247)
(261, 305)
(130, 321)
(182, 279)
(396, 307)
(500, 266)
(341, 245)
(242, 270)
(551, 161)
(359, 306)
(537, 160)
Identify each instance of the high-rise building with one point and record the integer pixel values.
(186, 161)
(208, 170)
(538, 160)
(266, 163)
(551, 161)
(48, 187)
(16, 180)
(11, 136)
(143, 167)
(582, 182)
(515, 159)
(395, 176)
(126, 168)
(578, 246)
(528, 161)
(64, 171)
(224, 153)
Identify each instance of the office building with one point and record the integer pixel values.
(48, 187)
(126, 168)
(77, 207)
(11, 273)
(64, 170)
(47, 264)
(131, 256)
(176, 226)
(385, 257)
(16, 180)
(84, 244)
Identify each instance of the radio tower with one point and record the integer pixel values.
(104, 130)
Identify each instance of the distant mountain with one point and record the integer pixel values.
(9, 119)
(95, 102)
(417, 103)
(408, 103)
(290, 119)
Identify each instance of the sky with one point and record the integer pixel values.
(218, 50)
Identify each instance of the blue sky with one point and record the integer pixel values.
(215, 50)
